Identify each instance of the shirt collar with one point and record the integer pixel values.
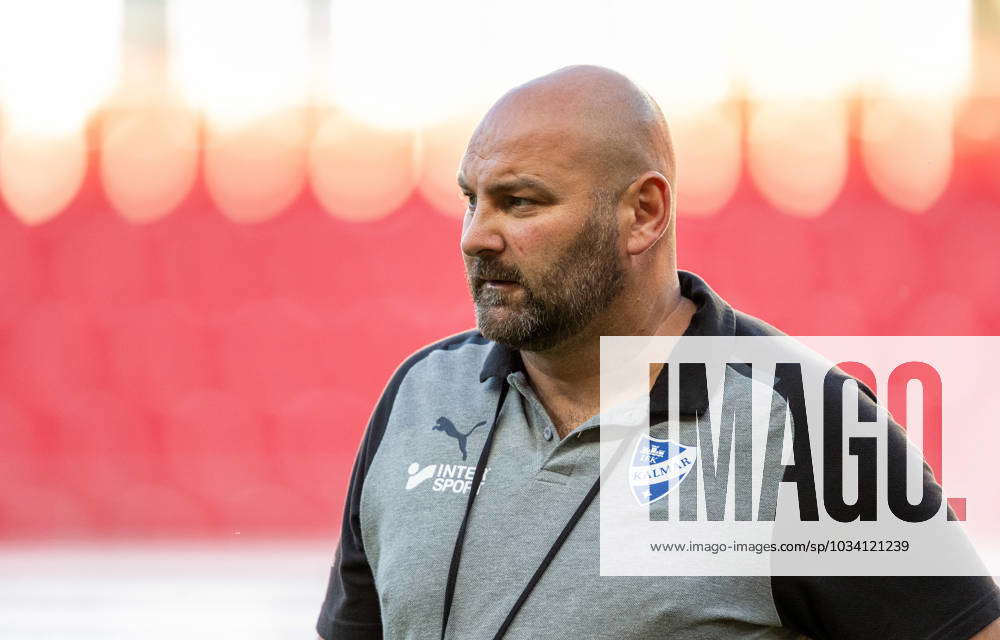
(713, 317)
(501, 361)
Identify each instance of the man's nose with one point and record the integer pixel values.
(481, 234)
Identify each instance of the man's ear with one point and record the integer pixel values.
(651, 202)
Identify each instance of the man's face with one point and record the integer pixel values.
(541, 250)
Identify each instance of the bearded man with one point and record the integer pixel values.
(568, 236)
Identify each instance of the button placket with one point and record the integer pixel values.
(553, 452)
(520, 383)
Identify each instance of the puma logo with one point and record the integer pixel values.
(446, 425)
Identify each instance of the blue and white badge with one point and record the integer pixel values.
(658, 467)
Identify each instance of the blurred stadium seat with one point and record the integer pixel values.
(20, 269)
(105, 448)
(204, 260)
(51, 349)
(316, 436)
(158, 351)
(943, 313)
(271, 349)
(35, 501)
(108, 270)
(217, 450)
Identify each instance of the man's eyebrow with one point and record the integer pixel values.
(516, 184)
(509, 186)
(502, 187)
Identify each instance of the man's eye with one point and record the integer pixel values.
(471, 197)
(516, 201)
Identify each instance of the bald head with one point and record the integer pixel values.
(569, 182)
(607, 124)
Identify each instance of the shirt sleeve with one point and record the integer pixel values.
(885, 607)
(351, 609)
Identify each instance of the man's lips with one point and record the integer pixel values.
(500, 284)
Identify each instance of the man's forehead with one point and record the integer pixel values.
(551, 154)
(580, 122)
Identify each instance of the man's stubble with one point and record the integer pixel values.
(560, 302)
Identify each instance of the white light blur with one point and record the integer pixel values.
(238, 60)
(789, 49)
(406, 75)
(254, 173)
(58, 60)
(149, 162)
(361, 173)
(918, 49)
(689, 54)
(906, 147)
(433, 61)
(797, 153)
(684, 54)
(442, 147)
(466, 55)
(709, 158)
(263, 590)
(40, 175)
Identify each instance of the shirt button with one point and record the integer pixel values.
(547, 433)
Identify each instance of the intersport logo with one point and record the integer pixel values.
(446, 478)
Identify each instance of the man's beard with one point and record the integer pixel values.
(559, 302)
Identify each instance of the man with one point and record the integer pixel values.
(472, 508)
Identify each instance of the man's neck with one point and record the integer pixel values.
(567, 378)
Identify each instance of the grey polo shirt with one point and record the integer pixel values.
(409, 489)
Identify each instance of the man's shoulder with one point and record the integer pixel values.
(455, 344)
(455, 357)
(748, 325)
